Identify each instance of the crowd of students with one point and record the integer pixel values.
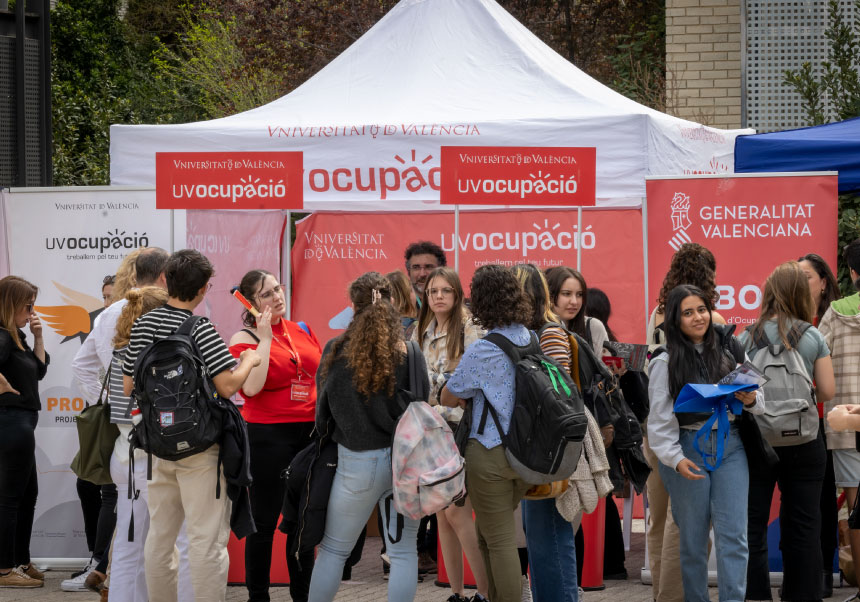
(517, 549)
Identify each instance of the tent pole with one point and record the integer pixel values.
(172, 242)
(579, 239)
(645, 256)
(457, 238)
(288, 232)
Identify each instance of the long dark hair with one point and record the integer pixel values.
(251, 284)
(831, 287)
(600, 308)
(686, 364)
(555, 279)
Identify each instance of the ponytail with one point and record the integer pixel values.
(140, 301)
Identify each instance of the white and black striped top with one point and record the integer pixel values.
(164, 321)
(120, 405)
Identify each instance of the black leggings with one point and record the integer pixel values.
(105, 527)
(273, 447)
(90, 496)
(19, 485)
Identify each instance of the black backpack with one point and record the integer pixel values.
(181, 412)
(544, 441)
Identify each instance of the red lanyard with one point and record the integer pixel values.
(296, 357)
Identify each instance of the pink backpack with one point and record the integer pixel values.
(428, 472)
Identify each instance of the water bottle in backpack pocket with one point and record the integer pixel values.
(790, 416)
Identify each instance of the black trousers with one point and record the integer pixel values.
(19, 485)
(799, 475)
(273, 447)
(613, 542)
(90, 496)
(105, 527)
(829, 512)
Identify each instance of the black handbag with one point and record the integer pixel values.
(96, 439)
(760, 455)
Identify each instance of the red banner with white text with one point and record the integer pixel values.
(332, 249)
(751, 223)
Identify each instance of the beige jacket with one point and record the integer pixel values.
(841, 329)
(590, 481)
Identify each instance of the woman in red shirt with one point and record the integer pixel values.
(280, 404)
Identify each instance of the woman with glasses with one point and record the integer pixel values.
(445, 329)
(21, 369)
(280, 406)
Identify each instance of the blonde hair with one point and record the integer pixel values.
(140, 301)
(400, 297)
(126, 276)
(15, 293)
(785, 297)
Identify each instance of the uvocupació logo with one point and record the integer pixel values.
(222, 180)
(499, 175)
(116, 240)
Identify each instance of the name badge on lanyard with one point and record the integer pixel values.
(300, 390)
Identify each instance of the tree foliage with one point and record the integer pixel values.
(177, 61)
(835, 96)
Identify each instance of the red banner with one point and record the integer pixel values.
(750, 224)
(518, 175)
(228, 180)
(332, 249)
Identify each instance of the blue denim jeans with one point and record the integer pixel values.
(363, 480)
(719, 499)
(552, 553)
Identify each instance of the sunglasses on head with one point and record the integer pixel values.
(109, 279)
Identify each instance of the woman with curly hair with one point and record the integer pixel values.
(695, 265)
(280, 402)
(691, 264)
(485, 374)
(359, 376)
(445, 330)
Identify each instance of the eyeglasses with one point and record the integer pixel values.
(208, 286)
(426, 267)
(270, 294)
(440, 292)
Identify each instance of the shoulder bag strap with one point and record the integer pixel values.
(104, 385)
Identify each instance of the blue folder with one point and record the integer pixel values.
(717, 400)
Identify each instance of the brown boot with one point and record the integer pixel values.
(104, 595)
(17, 578)
(95, 581)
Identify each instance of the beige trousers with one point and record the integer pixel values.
(184, 490)
(664, 542)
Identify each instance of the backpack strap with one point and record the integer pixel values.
(188, 326)
(514, 353)
(798, 329)
(588, 331)
(416, 384)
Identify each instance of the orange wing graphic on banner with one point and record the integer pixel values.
(74, 320)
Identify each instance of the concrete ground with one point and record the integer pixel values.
(368, 585)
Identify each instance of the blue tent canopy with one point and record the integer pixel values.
(829, 147)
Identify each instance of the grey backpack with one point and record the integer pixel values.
(790, 415)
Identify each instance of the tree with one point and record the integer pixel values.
(835, 96)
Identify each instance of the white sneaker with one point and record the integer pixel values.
(580, 594)
(527, 590)
(77, 584)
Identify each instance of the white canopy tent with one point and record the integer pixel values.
(437, 73)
